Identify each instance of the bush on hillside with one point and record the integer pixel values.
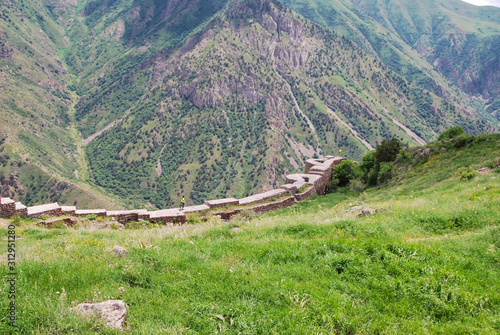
(376, 167)
(388, 151)
(466, 173)
(462, 140)
(343, 173)
(386, 172)
(369, 168)
(450, 133)
(357, 185)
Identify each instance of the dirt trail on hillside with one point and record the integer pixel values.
(354, 132)
(92, 137)
(409, 132)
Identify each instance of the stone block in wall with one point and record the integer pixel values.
(293, 188)
(7, 208)
(143, 217)
(305, 177)
(66, 221)
(36, 212)
(173, 215)
(222, 202)
(127, 216)
(269, 207)
(21, 209)
(262, 196)
(68, 210)
(85, 212)
(306, 194)
(338, 160)
(193, 209)
(258, 209)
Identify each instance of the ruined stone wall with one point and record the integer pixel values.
(317, 175)
(306, 194)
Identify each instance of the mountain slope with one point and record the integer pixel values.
(248, 98)
(426, 264)
(148, 100)
(38, 138)
(456, 39)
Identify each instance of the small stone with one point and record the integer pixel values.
(114, 312)
(120, 251)
(483, 170)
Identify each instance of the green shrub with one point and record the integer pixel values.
(386, 172)
(345, 172)
(137, 224)
(91, 216)
(357, 185)
(368, 162)
(495, 164)
(466, 173)
(334, 185)
(388, 151)
(114, 226)
(58, 225)
(245, 215)
(193, 218)
(462, 140)
(16, 220)
(451, 133)
(404, 156)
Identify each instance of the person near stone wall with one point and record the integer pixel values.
(182, 203)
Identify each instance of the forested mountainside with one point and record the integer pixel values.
(148, 100)
(417, 38)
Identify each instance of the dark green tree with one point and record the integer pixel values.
(450, 133)
(388, 151)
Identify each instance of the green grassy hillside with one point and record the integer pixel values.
(428, 263)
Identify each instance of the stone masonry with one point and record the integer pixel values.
(7, 207)
(315, 179)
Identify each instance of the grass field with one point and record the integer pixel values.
(428, 263)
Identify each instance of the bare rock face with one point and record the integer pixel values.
(112, 311)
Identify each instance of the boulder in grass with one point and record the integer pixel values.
(363, 210)
(483, 170)
(120, 251)
(114, 312)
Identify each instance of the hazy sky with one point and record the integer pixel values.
(484, 2)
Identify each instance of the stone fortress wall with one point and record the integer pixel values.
(298, 187)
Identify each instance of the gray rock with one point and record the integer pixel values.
(120, 251)
(483, 170)
(112, 311)
(363, 210)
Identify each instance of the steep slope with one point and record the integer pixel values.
(38, 144)
(458, 40)
(246, 99)
(110, 39)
